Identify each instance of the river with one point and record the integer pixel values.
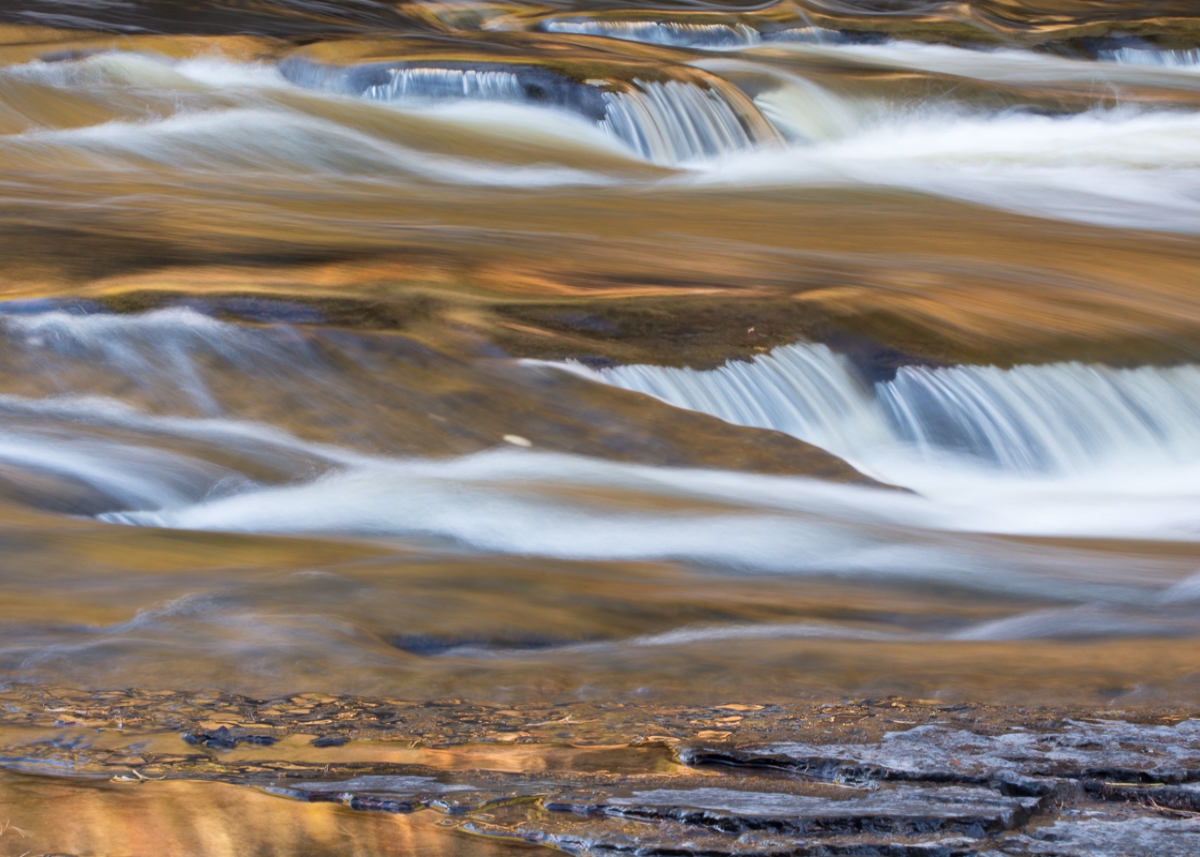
(587, 354)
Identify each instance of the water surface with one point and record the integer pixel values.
(586, 353)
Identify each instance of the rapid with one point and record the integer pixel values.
(553, 354)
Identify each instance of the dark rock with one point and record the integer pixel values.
(224, 738)
(328, 741)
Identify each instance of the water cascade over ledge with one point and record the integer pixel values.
(684, 35)
(1057, 419)
(698, 36)
(666, 122)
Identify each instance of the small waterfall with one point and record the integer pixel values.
(1146, 56)
(447, 83)
(669, 122)
(1057, 418)
(402, 81)
(1047, 418)
(674, 122)
(668, 33)
(806, 391)
(707, 37)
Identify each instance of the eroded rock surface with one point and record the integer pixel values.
(869, 777)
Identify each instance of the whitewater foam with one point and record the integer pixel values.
(439, 83)
(707, 37)
(1154, 57)
(1058, 419)
(666, 122)
(1125, 166)
(1122, 167)
(683, 35)
(674, 123)
(1063, 449)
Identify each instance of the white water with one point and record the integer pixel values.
(1123, 168)
(539, 504)
(1059, 449)
(669, 122)
(435, 83)
(1154, 57)
(129, 407)
(674, 123)
(1130, 166)
(707, 37)
(1003, 65)
(704, 36)
(1065, 449)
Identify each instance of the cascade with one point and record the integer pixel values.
(709, 37)
(447, 83)
(1152, 57)
(1057, 418)
(669, 122)
(675, 122)
(402, 81)
(670, 33)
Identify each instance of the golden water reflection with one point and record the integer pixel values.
(43, 815)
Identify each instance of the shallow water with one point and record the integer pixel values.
(534, 355)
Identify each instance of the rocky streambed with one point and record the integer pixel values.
(855, 777)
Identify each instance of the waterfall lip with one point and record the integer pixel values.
(537, 84)
(664, 32)
(704, 35)
(676, 122)
(1041, 423)
(1149, 57)
(1134, 49)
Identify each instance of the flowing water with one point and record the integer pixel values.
(589, 353)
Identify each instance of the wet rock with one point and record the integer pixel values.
(1160, 837)
(379, 804)
(1111, 751)
(224, 738)
(905, 812)
(1185, 799)
(328, 741)
(672, 839)
(998, 782)
(384, 793)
